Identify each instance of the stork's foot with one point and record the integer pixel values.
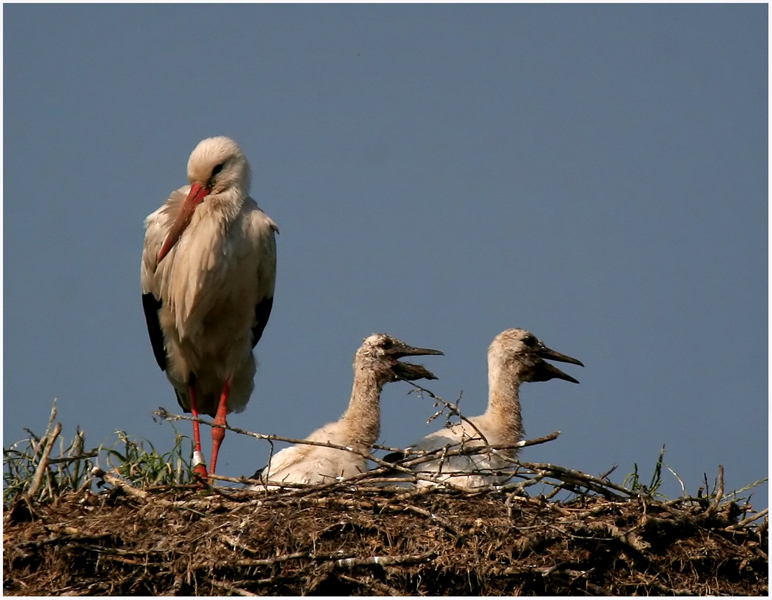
(218, 434)
(199, 466)
(219, 423)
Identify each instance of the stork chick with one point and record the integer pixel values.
(376, 363)
(515, 356)
(208, 273)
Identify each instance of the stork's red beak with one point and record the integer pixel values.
(197, 193)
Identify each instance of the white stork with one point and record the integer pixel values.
(376, 363)
(515, 356)
(208, 273)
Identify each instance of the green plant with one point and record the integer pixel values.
(633, 483)
(31, 470)
(143, 468)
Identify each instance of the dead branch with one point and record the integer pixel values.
(48, 443)
(384, 561)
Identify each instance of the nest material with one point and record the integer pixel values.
(357, 539)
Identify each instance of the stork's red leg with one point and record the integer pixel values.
(218, 425)
(199, 466)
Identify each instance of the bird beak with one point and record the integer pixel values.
(411, 372)
(408, 371)
(401, 350)
(197, 193)
(545, 371)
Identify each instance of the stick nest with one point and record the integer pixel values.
(353, 538)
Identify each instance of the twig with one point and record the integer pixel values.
(719, 491)
(518, 489)
(384, 561)
(433, 517)
(116, 551)
(37, 480)
(230, 541)
(51, 419)
(628, 537)
(542, 440)
(61, 539)
(264, 562)
(166, 415)
(117, 481)
(609, 472)
(571, 476)
(453, 409)
(69, 459)
(379, 587)
(463, 449)
(225, 495)
(232, 588)
(749, 520)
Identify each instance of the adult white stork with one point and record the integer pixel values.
(514, 357)
(208, 273)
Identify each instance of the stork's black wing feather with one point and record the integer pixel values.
(262, 312)
(151, 305)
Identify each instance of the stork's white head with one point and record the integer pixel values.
(379, 353)
(218, 169)
(218, 164)
(522, 352)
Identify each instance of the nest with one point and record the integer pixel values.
(354, 538)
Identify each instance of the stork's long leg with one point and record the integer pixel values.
(218, 425)
(199, 466)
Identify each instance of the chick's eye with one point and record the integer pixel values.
(529, 341)
(387, 344)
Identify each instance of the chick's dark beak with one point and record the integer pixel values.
(550, 354)
(401, 350)
(408, 371)
(411, 372)
(545, 371)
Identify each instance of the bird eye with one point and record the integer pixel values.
(217, 169)
(530, 341)
(386, 344)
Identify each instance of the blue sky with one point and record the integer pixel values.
(596, 174)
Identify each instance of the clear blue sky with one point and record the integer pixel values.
(596, 174)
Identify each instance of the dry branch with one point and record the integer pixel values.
(47, 443)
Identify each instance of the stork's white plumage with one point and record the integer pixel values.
(208, 274)
(515, 356)
(376, 363)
